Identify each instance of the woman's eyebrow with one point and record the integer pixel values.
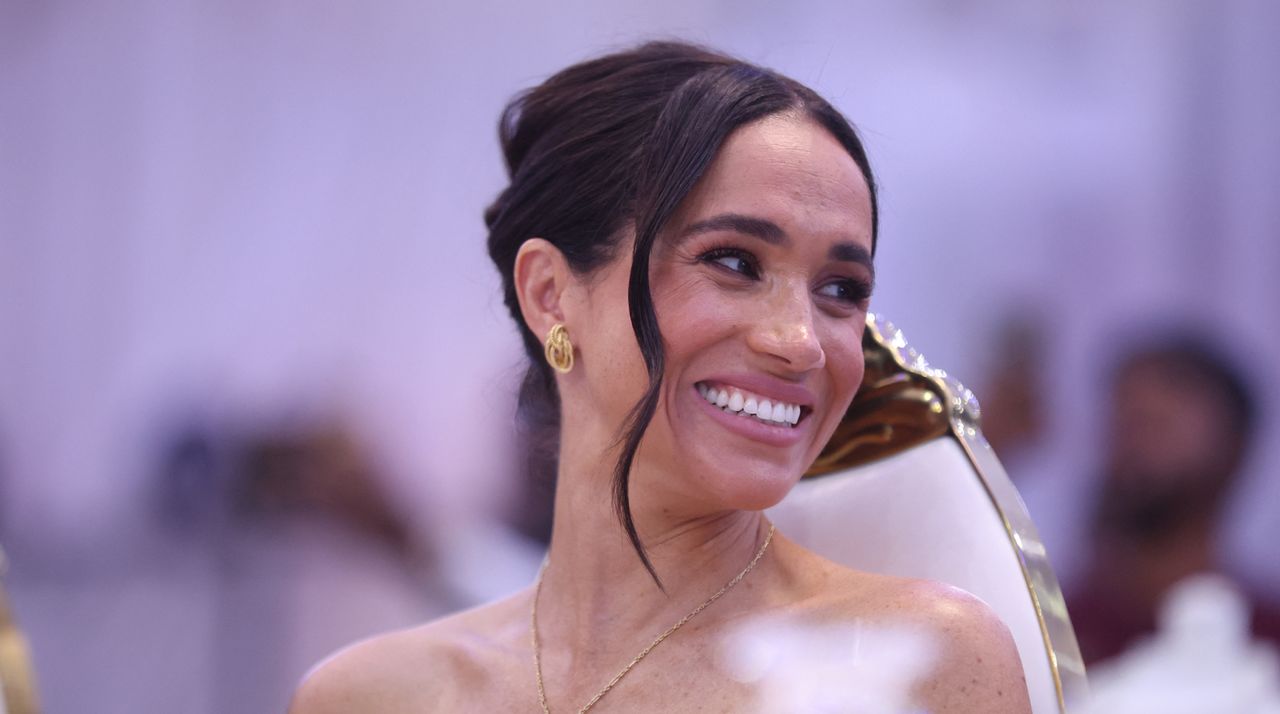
(761, 228)
(852, 253)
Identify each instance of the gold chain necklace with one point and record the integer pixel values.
(533, 629)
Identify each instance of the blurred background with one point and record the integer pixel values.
(256, 377)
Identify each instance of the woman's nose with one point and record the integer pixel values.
(785, 330)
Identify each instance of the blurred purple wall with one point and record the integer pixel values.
(261, 212)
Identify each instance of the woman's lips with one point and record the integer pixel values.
(751, 427)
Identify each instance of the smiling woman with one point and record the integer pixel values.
(686, 246)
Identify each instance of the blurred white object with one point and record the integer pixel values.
(1201, 661)
(820, 668)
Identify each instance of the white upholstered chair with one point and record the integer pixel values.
(908, 486)
(17, 685)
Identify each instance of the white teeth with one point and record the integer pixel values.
(735, 401)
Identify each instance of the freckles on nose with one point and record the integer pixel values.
(798, 340)
(785, 328)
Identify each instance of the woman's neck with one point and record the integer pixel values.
(595, 585)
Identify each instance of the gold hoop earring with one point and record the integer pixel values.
(559, 349)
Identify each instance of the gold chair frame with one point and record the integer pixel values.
(903, 403)
(16, 675)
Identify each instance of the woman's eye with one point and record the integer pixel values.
(850, 291)
(738, 261)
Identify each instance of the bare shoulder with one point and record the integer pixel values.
(372, 675)
(418, 669)
(978, 669)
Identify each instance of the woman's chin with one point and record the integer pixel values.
(749, 489)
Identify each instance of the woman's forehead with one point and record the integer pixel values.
(787, 170)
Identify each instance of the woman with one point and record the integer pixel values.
(686, 248)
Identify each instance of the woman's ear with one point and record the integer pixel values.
(541, 277)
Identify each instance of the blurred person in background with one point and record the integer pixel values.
(1014, 420)
(1181, 420)
(304, 547)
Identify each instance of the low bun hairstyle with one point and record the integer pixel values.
(613, 143)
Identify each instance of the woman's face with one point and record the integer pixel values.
(760, 284)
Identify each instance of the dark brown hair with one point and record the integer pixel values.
(611, 143)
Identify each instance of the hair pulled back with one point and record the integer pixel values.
(618, 142)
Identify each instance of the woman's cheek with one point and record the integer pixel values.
(699, 308)
(845, 359)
